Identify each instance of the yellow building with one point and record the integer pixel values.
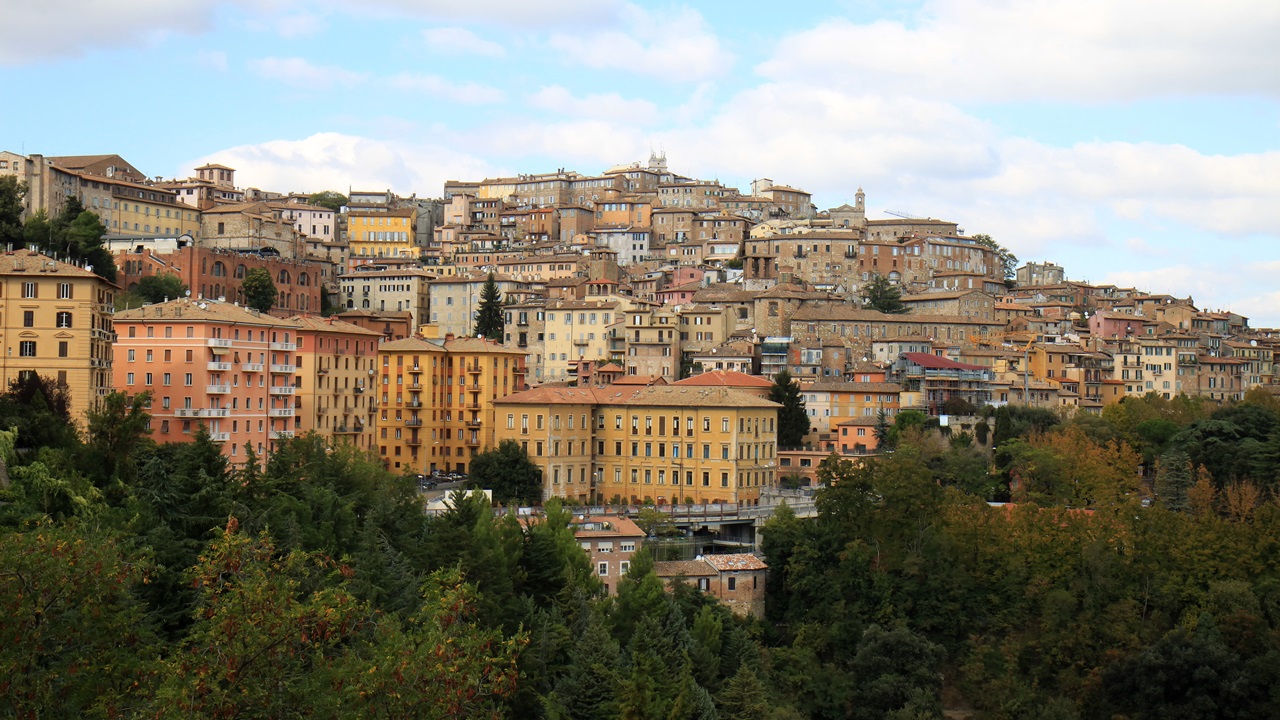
(337, 362)
(435, 400)
(55, 319)
(665, 444)
(382, 233)
(577, 330)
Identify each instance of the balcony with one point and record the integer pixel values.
(347, 430)
(281, 412)
(218, 342)
(283, 369)
(288, 346)
(219, 436)
(281, 389)
(472, 441)
(471, 406)
(281, 434)
(414, 368)
(415, 386)
(413, 422)
(217, 389)
(216, 366)
(475, 369)
(413, 441)
(473, 423)
(250, 367)
(359, 390)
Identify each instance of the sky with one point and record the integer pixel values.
(1133, 142)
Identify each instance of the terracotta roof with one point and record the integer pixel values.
(735, 561)
(855, 387)
(479, 345)
(606, 526)
(565, 395)
(675, 396)
(316, 323)
(37, 265)
(724, 378)
(411, 344)
(639, 380)
(195, 309)
(683, 568)
(933, 362)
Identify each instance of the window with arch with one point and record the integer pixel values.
(303, 280)
(240, 271)
(219, 270)
(283, 278)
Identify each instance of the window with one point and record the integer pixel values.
(64, 320)
(27, 348)
(64, 291)
(627, 547)
(624, 567)
(62, 349)
(29, 290)
(733, 583)
(28, 318)
(602, 569)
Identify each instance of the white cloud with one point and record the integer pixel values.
(334, 161)
(460, 41)
(438, 87)
(302, 73)
(677, 46)
(606, 106)
(981, 50)
(521, 14)
(67, 28)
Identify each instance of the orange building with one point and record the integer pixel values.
(336, 365)
(215, 364)
(435, 400)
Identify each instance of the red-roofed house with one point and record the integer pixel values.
(929, 382)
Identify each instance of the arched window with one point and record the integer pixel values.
(283, 278)
(219, 270)
(240, 271)
(303, 280)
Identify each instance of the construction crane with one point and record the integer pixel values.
(904, 216)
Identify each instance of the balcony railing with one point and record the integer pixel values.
(413, 422)
(288, 346)
(281, 412)
(217, 366)
(281, 389)
(281, 434)
(251, 367)
(283, 369)
(218, 342)
(217, 389)
(220, 436)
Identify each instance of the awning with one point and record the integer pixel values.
(220, 350)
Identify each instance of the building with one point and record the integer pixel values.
(737, 580)
(660, 443)
(336, 365)
(929, 382)
(387, 288)
(381, 233)
(609, 542)
(229, 368)
(56, 319)
(436, 400)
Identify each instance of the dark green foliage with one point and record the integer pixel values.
(11, 209)
(743, 697)
(328, 199)
(1174, 479)
(1015, 421)
(509, 473)
(75, 235)
(490, 320)
(159, 288)
(259, 290)
(793, 421)
(1007, 260)
(40, 409)
(882, 295)
(896, 668)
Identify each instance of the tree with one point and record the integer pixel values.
(508, 472)
(259, 291)
(884, 296)
(11, 194)
(793, 421)
(896, 668)
(1174, 480)
(1007, 260)
(328, 199)
(489, 321)
(159, 288)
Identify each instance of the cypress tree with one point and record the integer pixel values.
(793, 421)
(490, 322)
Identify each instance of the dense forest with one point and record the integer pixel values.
(1133, 575)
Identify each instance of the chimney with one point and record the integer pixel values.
(448, 337)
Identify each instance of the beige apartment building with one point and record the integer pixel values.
(336, 366)
(56, 321)
(436, 400)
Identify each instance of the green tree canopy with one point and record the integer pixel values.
(259, 290)
(328, 199)
(11, 208)
(508, 472)
(490, 321)
(1008, 261)
(882, 295)
(793, 421)
(159, 288)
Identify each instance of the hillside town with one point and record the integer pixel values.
(643, 315)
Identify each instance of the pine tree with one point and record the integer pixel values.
(489, 321)
(793, 421)
(1173, 480)
(589, 689)
(884, 296)
(743, 697)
